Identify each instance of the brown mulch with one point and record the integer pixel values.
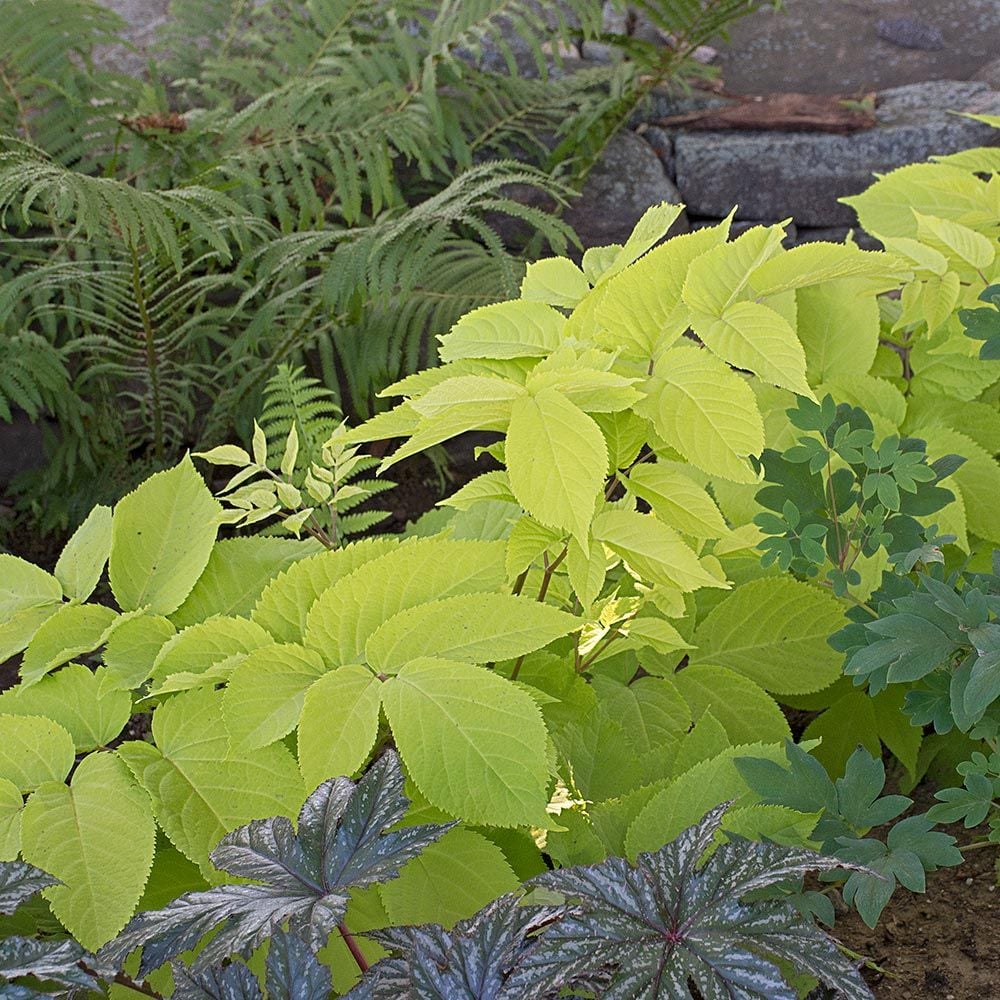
(784, 113)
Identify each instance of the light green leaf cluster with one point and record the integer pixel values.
(180, 604)
(940, 218)
(573, 651)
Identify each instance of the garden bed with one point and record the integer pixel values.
(940, 944)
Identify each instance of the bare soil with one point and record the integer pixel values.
(942, 945)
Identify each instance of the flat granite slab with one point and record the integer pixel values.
(772, 175)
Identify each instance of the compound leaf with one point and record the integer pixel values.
(132, 649)
(73, 629)
(654, 551)
(34, 750)
(345, 615)
(82, 560)
(556, 459)
(24, 585)
(285, 602)
(745, 710)
(515, 329)
(264, 696)
(677, 500)
(339, 723)
(77, 700)
(236, 574)
(11, 807)
(198, 792)
(199, 647)
(753, 336)
(701, 407)
(473, 628)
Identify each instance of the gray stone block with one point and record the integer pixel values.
(837, 234)
(666, 101)
(989, 74)
(739, 226)
(145, 20)
(626, 180)
(773, 175)
(910, 33)
(662, 143)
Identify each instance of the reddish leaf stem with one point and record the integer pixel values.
(353, 947)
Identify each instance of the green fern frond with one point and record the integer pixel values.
(694, 22)
(294, 399)
(391, 256)
(33, 375)
(34, 189)
(470, 23)
(51, 94)
(302, 154)
(143, 332)
(353, 525)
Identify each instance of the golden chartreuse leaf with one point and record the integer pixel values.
(96, 835)
(556, 460)
(701, 407)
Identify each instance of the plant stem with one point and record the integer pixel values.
(353, 947)
(833, 509)
(979, 843)
(850, 597)
(550, 568)
(613, 633)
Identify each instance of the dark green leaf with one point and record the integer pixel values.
(486, 957)
(664, 922)
(57, 961)
(971, 803)
(293, 973)
(344, 841)
(18, 882)
(230, 982)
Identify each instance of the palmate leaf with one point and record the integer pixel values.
(292, 973)
(223, 982)
(53, 961)
(482, 958)
(911, 849)
(305, 876)
(665, 923)
(19, 882)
